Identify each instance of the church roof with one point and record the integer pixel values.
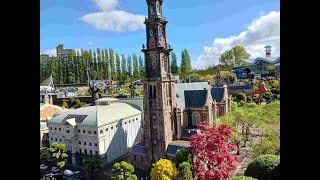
(238, 87)
(138, 149)
(176, 146)
(98, 115)
(182, 87)
(218, 93)
(195, 98)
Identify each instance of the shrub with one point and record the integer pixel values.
(64, 104)
(241, 97)
(275, 90)
(185, 172)
(183, 156)
(164, 169)
(263, 167)
(249, 99)
(242, 178)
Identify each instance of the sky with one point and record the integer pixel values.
(206, 28)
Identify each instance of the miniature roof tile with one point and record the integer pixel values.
(99, 115)
(195, 98)
(138, 149)
(173, 149)
(218, 94)
(240, 87)
(180, 88)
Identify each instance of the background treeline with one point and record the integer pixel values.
(102, 64)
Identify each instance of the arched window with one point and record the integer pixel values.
(195, 118)
(185, 119)
(154, 91)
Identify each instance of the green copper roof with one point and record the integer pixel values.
(99, 115)
(180, 88)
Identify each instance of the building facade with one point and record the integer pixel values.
(171, 111)
(260, 65)
(62, 52)
(47, 111)
(109, 129)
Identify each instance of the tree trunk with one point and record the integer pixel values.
(238, 151)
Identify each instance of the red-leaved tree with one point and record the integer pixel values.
(211, 151)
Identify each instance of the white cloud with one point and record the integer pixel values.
(90, 43)
(50, 52)
(106, 5)
(110, 19)
(120, 21)
(262, 31)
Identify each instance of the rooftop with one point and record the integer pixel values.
(98, 115)
(218, 94)
(182, 87)
(272, 60)
(195, 98)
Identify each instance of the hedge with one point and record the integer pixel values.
(264, 167)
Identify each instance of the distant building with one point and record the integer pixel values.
(44, 57)
(109, 129)
(62, 52)
(243, 73)
(259, 65)
(47, 111)
(235, 89)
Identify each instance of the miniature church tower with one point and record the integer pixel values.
(159, 96)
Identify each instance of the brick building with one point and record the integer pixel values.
(171, 110)
(47, 111)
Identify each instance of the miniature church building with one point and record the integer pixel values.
(171, 111)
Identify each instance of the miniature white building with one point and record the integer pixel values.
(109, 129)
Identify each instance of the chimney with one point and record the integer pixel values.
(268, 51)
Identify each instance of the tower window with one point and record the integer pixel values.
(154, 91)
(150, 91)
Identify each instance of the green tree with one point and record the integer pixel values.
(118, 66)
(53, 67)
(123, 64)
(185, 172)
(112, 65)
(164, 169)
(141, 67)
(185, 61)
(135, 65)
(92, 165)
(70, 69)
(233, 57)
(174, 64)
(41, 69)
(182, 156)
(107, 67)
(194, 77)
(58, 153)
(99, 64)
(129, 66)
(123, 171)
(241, 97)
